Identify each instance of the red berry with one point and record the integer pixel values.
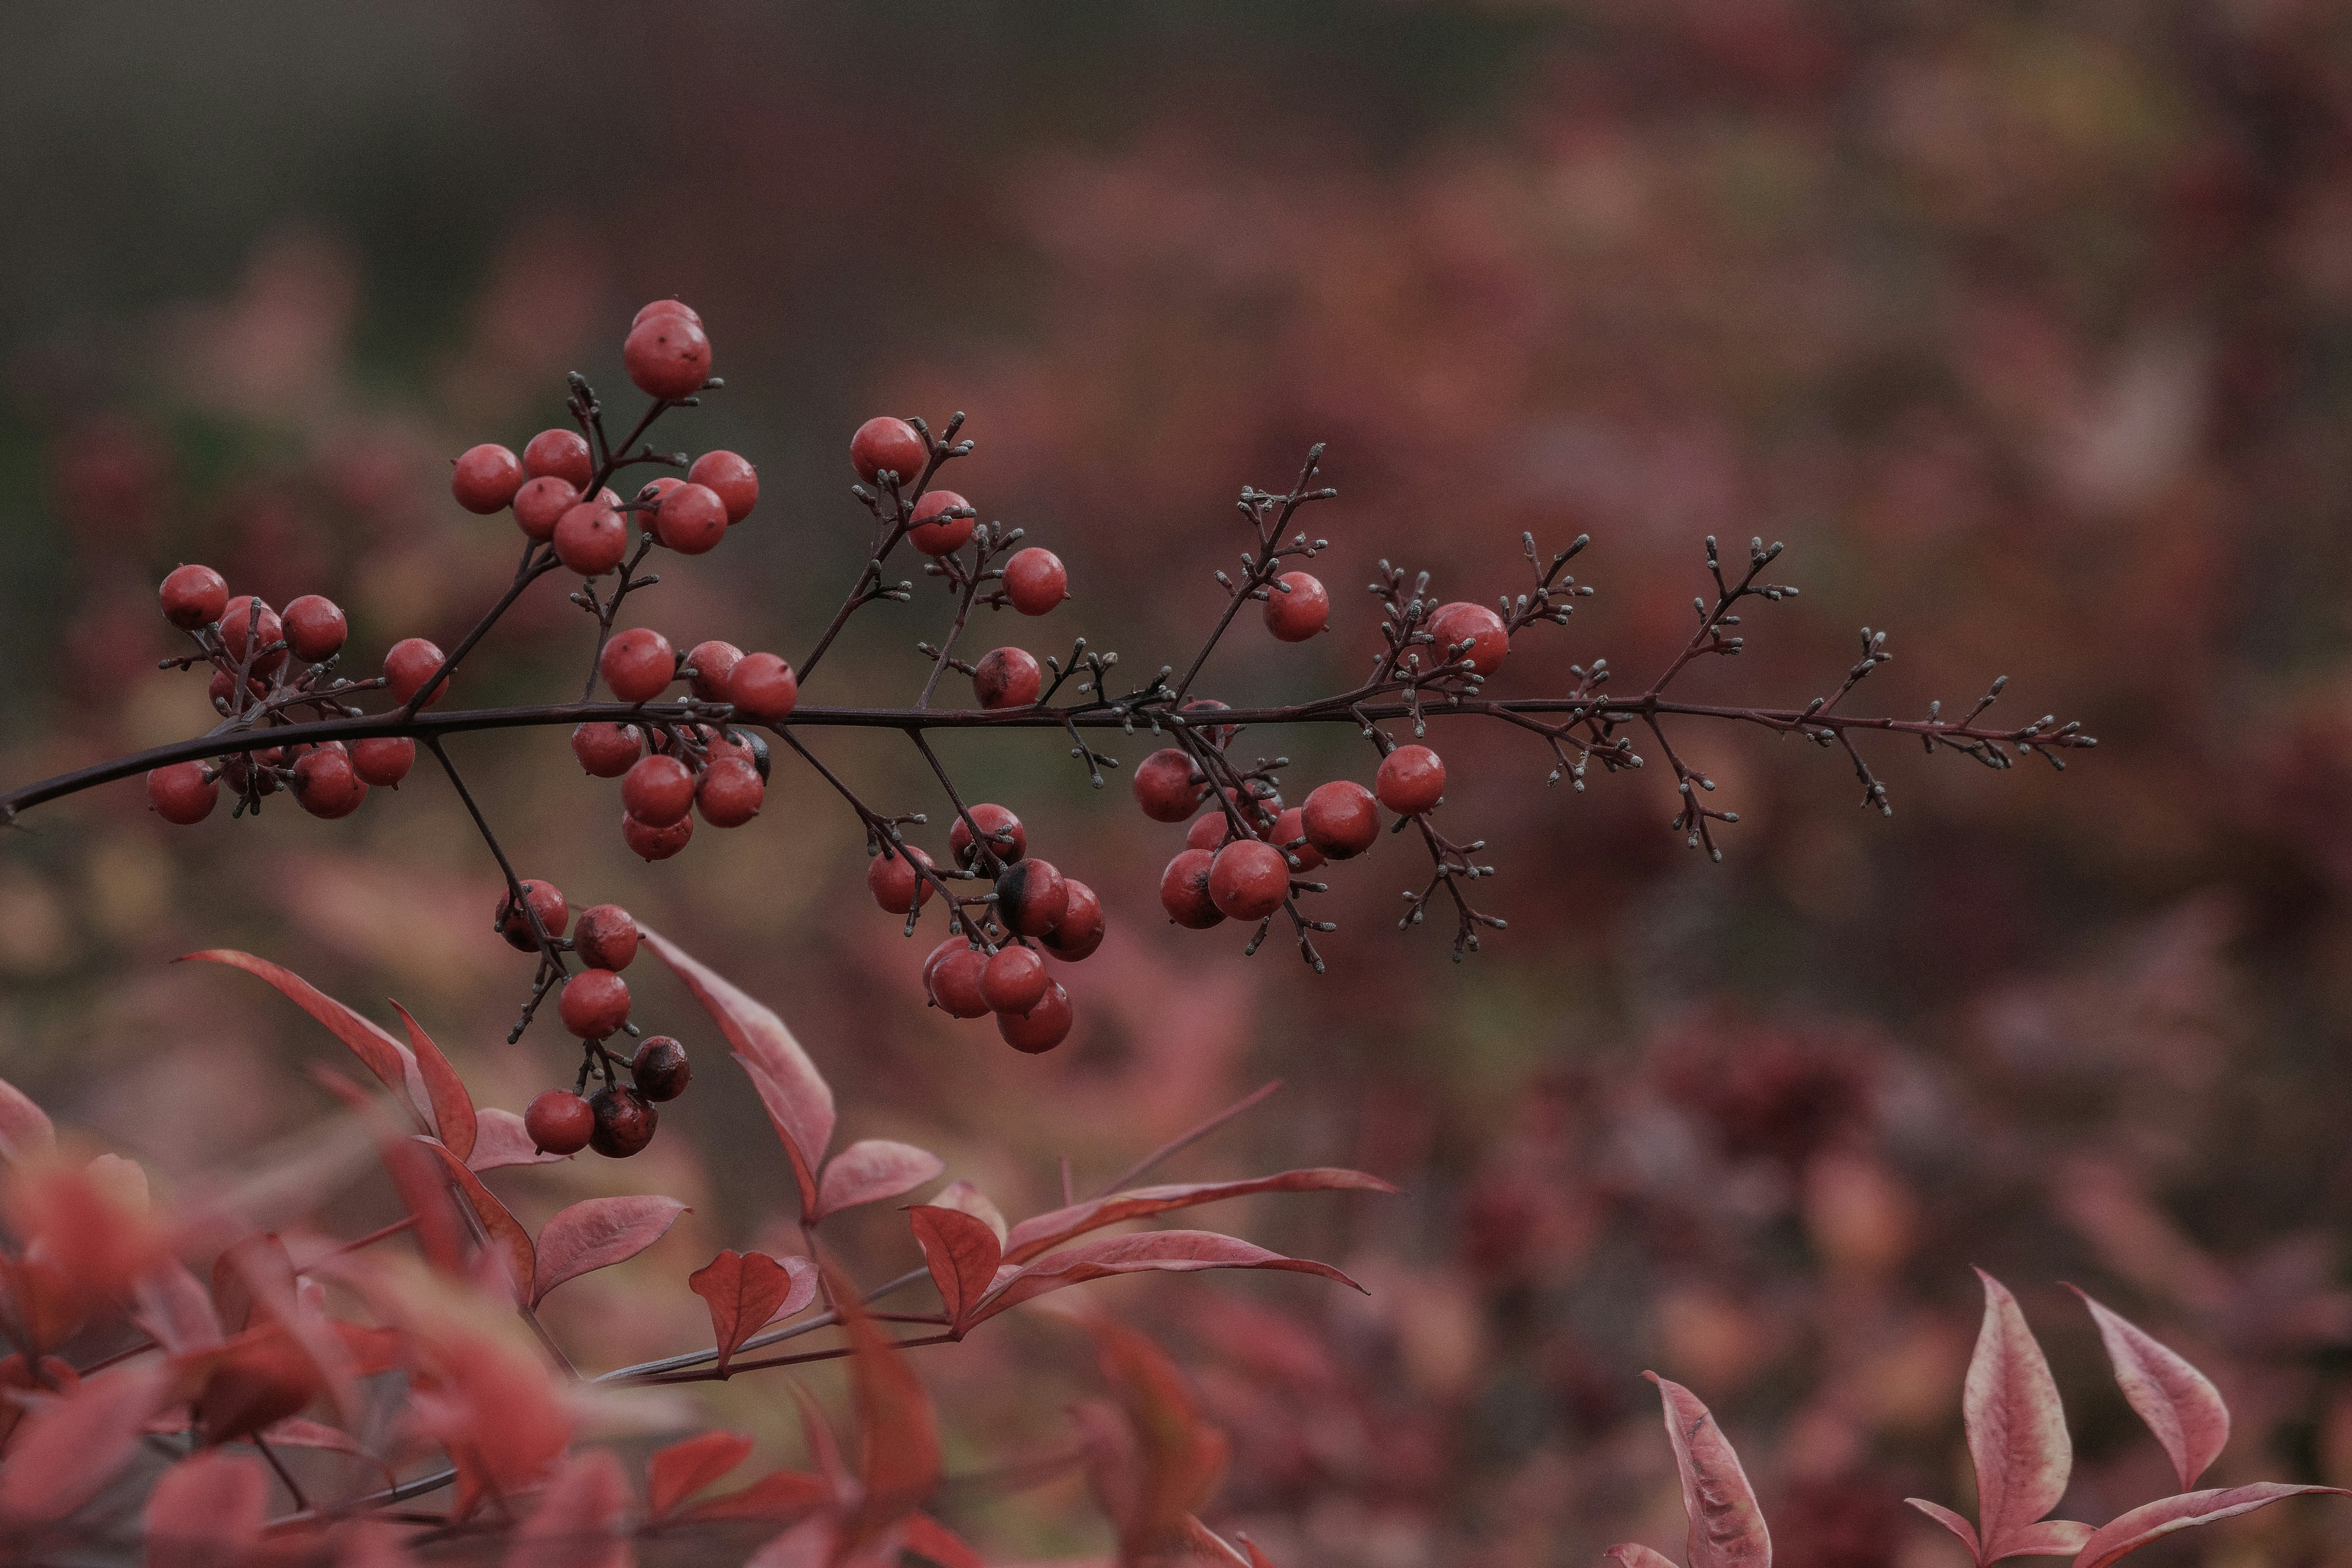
(1302, 611)
(1340, 819)
(1013, 980)
(735, 480)
(1080, 929)
(712, 662)
(222, 684)
(763, 686)
(655, 843)
(559, 454)
(1041, 1028)
(326, 785)
(540, 504)
(193, 597)
(179, 792)
(659, 791)
(594, 1004)
(1006, 678)
(692, 519)
(1031, 896)
(315, 629)
(590, 538)
(1210, 830)
(383, 759)
(1215, 734)
(1411, 780)
(253, 768)
(1185, 891)
(607, 750)
(408, 664)
(730, 793)
(883, 445)
(665, 307)
(1289, 836)
(558, 1122)
(668, 356)
(1000, 829)
(638, 665)
(239, 629)
(660, 1068)
(1249, 879)
(897, 885)
(605, 938)
(484, 477)
(544, 899)
(1035, 581)
(1481, 627)
(951, 974)
(933, 531)
(1166, 787)
(650, 498)
(625, 1122)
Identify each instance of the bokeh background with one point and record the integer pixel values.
(2029, 329)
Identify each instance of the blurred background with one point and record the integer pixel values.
(2028, 328)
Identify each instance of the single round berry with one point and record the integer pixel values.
(672, 307)
(193, 597)
(1340, 819)
(883, 445)
(1035, 581)
(1215, 734)
(733, 478)
(315, 629)
(1185, 891)
(1210, 830)
(1013, 980)
(383, 759)
(659, 791)
(999, 830)
(743, 745)
(668, 356)
(590, 538)
(933, 531)
(730, 793)
(326, 785)
(660, 1068)
(408, 664)
(712, 663)
(558, 1122)
(1299, 613)
(241, 628)
(607, 750)
(562, 454)
(606, 937)
(638, 665)
(1411, 780)
(484, 479)
(692, 519)
(1481, 627)
(762, 686)
(594, 1004)
(544, 899)
(540, 504)
(179, 792)
(1289, 836)
(1041, 1028)
(896, 885)
(653, 842)
(1167, 787)
(1080, 929)
(625, 1122)
(649, 499)
(951, 974)
(1006, 678)
(1031, 896)
(1249, 879)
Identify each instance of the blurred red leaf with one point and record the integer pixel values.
(870, 1170)
(684, 1468)
(934, 1543)
(747, 1290)
(1171, 1251)
(1634, 1554)
(174, 1308)
(24, 1127)
(960, 1251)
(508, 1238)
(1726, 1528)
(391, 1062)
(67, 1449)
(260, 1256)
(2127, 1532)
(1041, 1233)
(501, 1140)
(295, 1432)
(596, 1233)
(2184, 1410)
(1260, 1559)
(1178, 1458)
(777, 1497)
(453, 1106)
(2016, 1430)
(207, 1510)
(258, 1378)
(576, 1524)
(898, 1436)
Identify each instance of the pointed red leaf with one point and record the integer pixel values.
(1951, 1522)
(898, 1436)
(1260, 1559)
(500, 1140)
(391, 1061)
(507, 1236)
(871, 1170)
(2016, 1430)
(798, 1100)
(26, 1131)
(2180, 1406)
(67, 1449)
(678, 1472)
(2129, 1532)
(1041, 1233)
(1634, 1554)
(453, 1108)
(934, 1543)
(960, 1252)
(1726, 1528)
(577, 1522)
(596, 1233)
(748, 1290)
(1178, 1456)
(965, 1198)
(778, 1497)
(1172, 1251)
(208, 1509)
(259, 1256)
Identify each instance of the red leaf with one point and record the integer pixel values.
(2129, 1532)
(391, 1061)
(508, 1238)
(597, 1234)
(453, 1108)
(965, 1198)
(961, 1254)
(500, 1140)
(1171, 1251)
(2016, 1427)
(295, 1432)
(748, 1290)
(174, 1308)
(2183, 1409)
(1951, 1522)
(208, 1509)
(1726, 1528)
(777, 1497)
(68, 1448)
(934, 1543)
(26, 1131)
(1634, 1554)
(1178, 1458)
(870, 1170)
(1040, 1233)
(897, 1437)
(1260, 1559)
(260, 1257)
(576, 1522)
(798, 1100)
(682, 1469)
